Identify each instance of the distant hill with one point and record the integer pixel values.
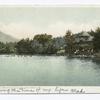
(6, 38)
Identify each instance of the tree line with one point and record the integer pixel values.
(71, 45)
(47, 44)
(40, 44)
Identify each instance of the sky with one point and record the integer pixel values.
(23, 22)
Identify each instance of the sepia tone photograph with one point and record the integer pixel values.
(49, 46)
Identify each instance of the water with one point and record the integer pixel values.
(48, 71)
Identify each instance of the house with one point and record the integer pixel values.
(83, 43)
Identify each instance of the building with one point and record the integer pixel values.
(83, 43)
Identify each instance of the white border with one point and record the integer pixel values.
(49, 89)
(50, 2)
(33, 89)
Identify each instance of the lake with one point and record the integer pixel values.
(48, 71)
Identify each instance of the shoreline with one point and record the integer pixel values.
(69, 56)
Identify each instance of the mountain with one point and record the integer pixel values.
(6, 38)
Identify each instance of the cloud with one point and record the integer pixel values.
(18, 30)
(60, 28)
(25, 30)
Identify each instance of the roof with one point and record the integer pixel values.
(83, 36)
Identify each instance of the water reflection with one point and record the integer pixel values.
(96, 60)
(92, 63)
(49, 70)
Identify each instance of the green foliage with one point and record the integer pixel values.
(24, 46)
(42, 43)
(46, 44)
(91, 32)
(43, 38)
(96, 40)
(69, 42)
(7, 48)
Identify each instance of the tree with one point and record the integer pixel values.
(96, 40)
(24, 46)
(2, 48)
(7, 48)
(43, 42)
(69, 38)
(43, 38)
(91, 32)
(37, 48)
